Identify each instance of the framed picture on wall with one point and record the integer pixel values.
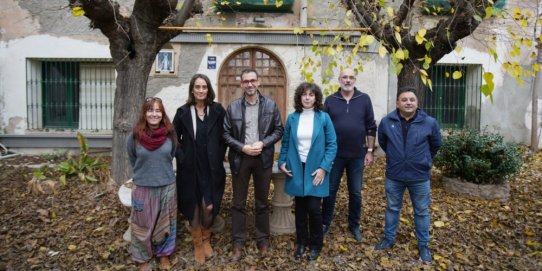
(165, 62)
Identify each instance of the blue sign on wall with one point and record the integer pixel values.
(211, 62)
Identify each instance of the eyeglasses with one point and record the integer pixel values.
(148, 99)
(252, 81)
(344, 77)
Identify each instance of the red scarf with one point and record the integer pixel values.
(155, 140)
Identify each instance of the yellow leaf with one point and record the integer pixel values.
(422, 32)
(347, 21)
(398, 37)
(536, 67)
(457, 74)
(209, 38)
(458, 49)
(89, 218)
(72, 247)
(382, 51)
(419, 39)
(532, 243)
(399, 54)
(78, 11)
(343, 248)
(404, 220)
(53, 215)
(438, 224)
(529, 233)
(298, 30)
(370, 39)
(389, 10)
(447, 74)
(279, 3)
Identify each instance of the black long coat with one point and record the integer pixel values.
(186, 158)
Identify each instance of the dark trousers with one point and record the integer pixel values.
(251, 166)
(308, 221)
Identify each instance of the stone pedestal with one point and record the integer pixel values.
(125, 196)
(281, 221)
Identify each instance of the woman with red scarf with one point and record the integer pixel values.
(151, 148)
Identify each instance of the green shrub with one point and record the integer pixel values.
(85, 167)
(478, 157)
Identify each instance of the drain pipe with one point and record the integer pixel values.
(8, 154)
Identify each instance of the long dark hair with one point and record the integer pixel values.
(314, 88)
(210, 91)
(141, 128)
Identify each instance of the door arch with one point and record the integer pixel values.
(271, 73)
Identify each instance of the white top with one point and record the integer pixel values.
(304, 133)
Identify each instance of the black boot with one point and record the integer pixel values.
(313, 254)
(299, 251)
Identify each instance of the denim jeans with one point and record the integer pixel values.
(354, 176)
(420, 195)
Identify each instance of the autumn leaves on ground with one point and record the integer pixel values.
(81, 226)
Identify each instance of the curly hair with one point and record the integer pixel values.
(314, 88)
(210, 91)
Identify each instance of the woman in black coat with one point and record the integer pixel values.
(200, 162)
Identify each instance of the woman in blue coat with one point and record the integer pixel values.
(308, 150)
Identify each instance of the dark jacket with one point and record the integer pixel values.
(269, 126)
(353, 121)
(321, 155)
(186, 157)
(413, 161)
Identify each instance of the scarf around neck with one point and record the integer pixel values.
(155, 140)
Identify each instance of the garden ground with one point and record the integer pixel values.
(80, 227)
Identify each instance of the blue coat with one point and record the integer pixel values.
(411, 161)
(321, 155)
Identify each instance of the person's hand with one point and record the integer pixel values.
(369, 158)
(250, 150)
(285, 170)
(258, 145)
(319, 175)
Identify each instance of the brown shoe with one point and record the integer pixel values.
(164, 264)
(199, 255)
(206, 236)
(237, 253)
(146, 266)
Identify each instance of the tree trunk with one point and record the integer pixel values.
(129, 96)
(534, 103)
(410, 77)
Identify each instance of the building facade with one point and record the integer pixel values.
(57, 77)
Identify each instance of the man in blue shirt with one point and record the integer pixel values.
(411, 139)
(351, 112)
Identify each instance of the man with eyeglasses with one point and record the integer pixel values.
(252, 126)
(351, 112)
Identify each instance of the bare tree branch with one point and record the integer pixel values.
(404, 11)
(177, 18)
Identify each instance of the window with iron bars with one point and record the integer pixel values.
(455, 103)
(72, 94)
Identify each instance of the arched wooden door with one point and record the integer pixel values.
(271, 72)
